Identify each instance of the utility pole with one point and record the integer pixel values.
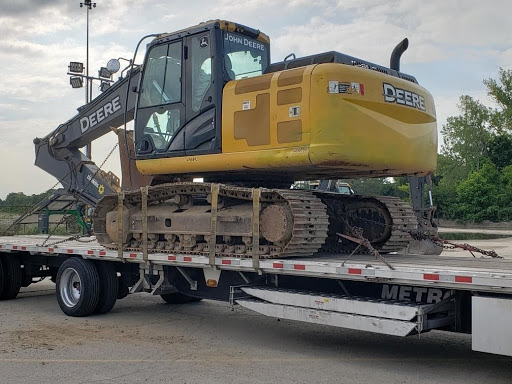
(88, 87)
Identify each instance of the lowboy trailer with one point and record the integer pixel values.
(402, 295)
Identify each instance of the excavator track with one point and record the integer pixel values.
(291, 222)
(302, 214)
(386, 221)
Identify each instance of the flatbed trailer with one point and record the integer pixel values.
(401, 295)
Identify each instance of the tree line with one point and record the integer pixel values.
(473, 181)
(17, 203)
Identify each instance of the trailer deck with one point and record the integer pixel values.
(464, 273)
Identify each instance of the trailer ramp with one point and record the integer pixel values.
(365, 314)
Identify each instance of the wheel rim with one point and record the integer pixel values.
(70, 287)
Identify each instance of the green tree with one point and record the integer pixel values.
(467, 136)
(505, 197)
(500, 150)
(500, 92)
(19, 203)
(449, 174)
(477, 146)
(478, 195)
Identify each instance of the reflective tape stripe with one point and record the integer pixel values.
(430, 276)
(464, 279)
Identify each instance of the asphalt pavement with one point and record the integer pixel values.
(144, 340)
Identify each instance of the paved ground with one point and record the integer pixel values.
(476, 230)
(145, 340)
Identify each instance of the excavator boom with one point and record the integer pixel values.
(59, 153)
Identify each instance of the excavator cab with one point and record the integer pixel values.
(179, 103)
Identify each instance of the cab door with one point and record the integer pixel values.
(161, 112)
(200, 131)
(178, 103)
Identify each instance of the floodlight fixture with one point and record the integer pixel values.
(113, 65)
(88, 3)
(104, 86)
(76, 67)
(76, 82)
(104, 73)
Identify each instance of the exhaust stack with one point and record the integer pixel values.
(394, 61)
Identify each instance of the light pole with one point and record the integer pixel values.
(88, 87)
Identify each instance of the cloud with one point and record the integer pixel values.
(20, 8)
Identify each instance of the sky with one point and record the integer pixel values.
(453, 46)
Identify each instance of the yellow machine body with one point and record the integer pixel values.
(319, 121)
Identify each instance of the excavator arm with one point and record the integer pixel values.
(59, 152)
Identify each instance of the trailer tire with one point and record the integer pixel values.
(81, 301)
(109, 286)
(1, 277)
(11, 268)
(124, 290)
(179, 298)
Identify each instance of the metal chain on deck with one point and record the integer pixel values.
(445, 244)
(71, 238)
(357, 232)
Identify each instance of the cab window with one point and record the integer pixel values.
(162, 77)
(244, 57)
(201, 69)
(161, 86)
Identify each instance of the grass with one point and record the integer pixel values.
(31, 229)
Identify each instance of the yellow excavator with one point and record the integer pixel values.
(207, 103)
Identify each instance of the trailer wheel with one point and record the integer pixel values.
(11, 267)
(179, 298)
(109, 286)
(124, 290)
(78, 287)
(1, 277)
